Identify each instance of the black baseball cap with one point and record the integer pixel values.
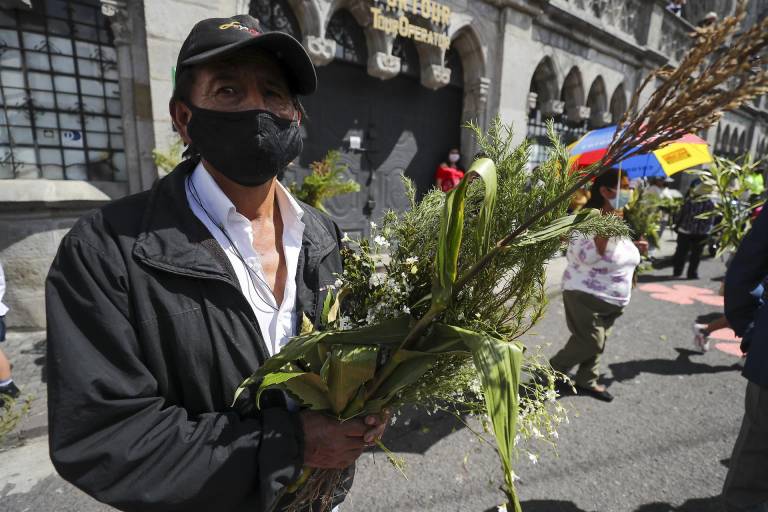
(213, 38)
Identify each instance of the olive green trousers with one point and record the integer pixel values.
(590, 320)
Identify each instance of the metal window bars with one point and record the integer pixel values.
(60, 113)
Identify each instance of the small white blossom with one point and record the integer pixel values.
(535, 432)
(411, 260)
(346, 238)
(501, 508)
(380, 240)
(338, 283)
(406, 310)
(373, 225)
(551, 395)
(555, 435)
(533, 457)
(377, 279)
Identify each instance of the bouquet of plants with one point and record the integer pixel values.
(734, 201)
(465, 277)
(437, 321)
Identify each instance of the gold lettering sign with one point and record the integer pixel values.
(391, 18)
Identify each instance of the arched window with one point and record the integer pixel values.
(618, 104)
(349, 37)
(453, 62)
(60, 113)
(275, 15)
(409, 57)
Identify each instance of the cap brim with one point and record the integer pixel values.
(289, 53)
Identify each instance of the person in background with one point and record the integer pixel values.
(692, 230)
(746, 485)
(449, 174)
(597, 285)
(7, 386)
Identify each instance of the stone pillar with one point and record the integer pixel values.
(516, 61)
(475, 110)
(133, 70)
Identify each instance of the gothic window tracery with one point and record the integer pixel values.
(276, 15)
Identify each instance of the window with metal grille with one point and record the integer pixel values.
(537, 133)
(60, 115)
(275, 15)
(350, 41)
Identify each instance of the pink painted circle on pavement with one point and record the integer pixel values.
(732, 349)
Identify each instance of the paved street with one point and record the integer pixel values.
(663, 444)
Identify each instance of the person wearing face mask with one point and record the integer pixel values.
(597, 285)
(160, 304)
(449, 174)
(692, 229)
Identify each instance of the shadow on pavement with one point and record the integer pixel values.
(682, 365)
(652, 278)
(712, 504)
(415, 431)
(39, 351)
(547, 506)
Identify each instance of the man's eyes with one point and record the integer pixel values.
(226, 91)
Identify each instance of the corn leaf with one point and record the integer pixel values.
(557, 228)
(405, 368)
(306, 387)
(498, 363)
(310, 390)
(452, 228)
(349, 368)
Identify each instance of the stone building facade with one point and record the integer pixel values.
(85, 87)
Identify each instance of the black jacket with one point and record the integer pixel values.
(148, 338)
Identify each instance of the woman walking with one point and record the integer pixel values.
(597, 284)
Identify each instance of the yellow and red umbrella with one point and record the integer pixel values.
(686, 152)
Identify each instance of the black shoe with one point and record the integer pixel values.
(603, 395)
(676, 275)
(693, 276)
(10, 390)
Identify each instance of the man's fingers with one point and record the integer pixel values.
(353, 428)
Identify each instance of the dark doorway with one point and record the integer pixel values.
(405, 129)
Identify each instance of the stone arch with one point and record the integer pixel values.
(376, 40)
(618, 103)
(545, 86)
(733, 144)
(718, 137)
(743, 143)
(466, 43)
(597, 101)
(572, 95)
(725, 141)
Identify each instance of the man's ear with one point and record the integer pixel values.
(180, 115)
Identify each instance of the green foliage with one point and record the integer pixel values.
(167, 160)
(734, 201)
(643, 215)
(12, 412)
(327, 179)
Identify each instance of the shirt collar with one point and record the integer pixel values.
(220, 207)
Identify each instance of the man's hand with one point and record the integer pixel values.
(330, 444)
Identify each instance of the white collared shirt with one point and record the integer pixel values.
(277, 321)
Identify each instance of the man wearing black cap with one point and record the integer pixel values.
(159, 304)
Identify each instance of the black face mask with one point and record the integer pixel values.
(249, 147)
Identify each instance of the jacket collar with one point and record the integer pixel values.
(172, 238)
